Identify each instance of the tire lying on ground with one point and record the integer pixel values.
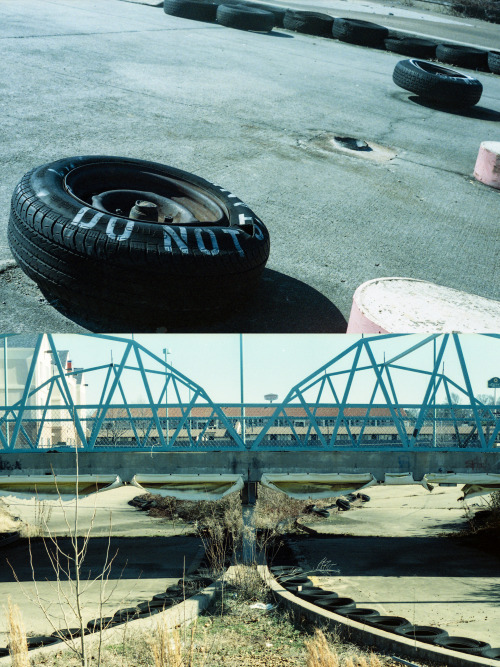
(311, 23)
(494, 61)
(245, 18)
(76, 230)
(342, 504)
(462, 56)
(359, 32)
(199, 10)
(437, 84)
(422, 633)
(411, 46)
(463, 644)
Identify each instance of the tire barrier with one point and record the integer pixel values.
(412, 46)
(400, 626)
(353, 31)
(245, 18)
(310, 23)
(462, 56)
(343, 505)
(199, 10)
(424, 633)
(463, 644)
(494, 61)
(437, 84)
(363, 33)
(109, 236)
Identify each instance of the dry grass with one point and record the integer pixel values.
(18, 646)
(321, 654)
(169, 649)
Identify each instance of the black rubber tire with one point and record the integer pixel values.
(41, 640)
(4, 651)
(362, 614)
(422, 633)
(491, 653)
(363, 497)
(199, 10)
(342, 504)
(494, 61)
(245, 18)
(412, 46)
(278, 12)
(463, 644)
(389, 623)
(97, 624)
(317, 594)
(462, 56)
(339, 605)
(67, 633)
(292, 582)
(359, 32)
(437, 84)
(143, 269)
(310, 23)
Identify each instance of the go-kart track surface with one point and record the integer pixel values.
(257, 114)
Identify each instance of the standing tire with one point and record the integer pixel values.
(437, 84)
(310, 23)
(462, 56)
(412, 46)
(364, 33)
(74, 229)
(343, 505)
(199, 10)
(245, 18)
(278, 12)
(494, 62)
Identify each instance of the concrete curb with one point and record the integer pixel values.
(176, 616)
(362, 634)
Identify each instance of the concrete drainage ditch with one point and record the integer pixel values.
(294, 589)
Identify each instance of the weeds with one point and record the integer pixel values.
(18, 646)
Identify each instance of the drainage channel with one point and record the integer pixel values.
(198, 580)
(288, 576)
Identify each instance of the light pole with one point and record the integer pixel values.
(166, 351)
(242, 397)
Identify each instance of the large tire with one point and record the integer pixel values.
(245, 18)
(462, 56)
(389, 623)
(362, 614)
(437, 84)
(463, 644)
(343, 505)
(359, 32)
(199, 10)
(311, 23)
(412, 46)
(494, 62)
(106, 265)
(278, 12)
(422, 633)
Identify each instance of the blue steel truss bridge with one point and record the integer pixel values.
(45, 409)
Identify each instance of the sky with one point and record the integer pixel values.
(274, 363)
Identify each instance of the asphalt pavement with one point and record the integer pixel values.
(397, 554)
(257, 114)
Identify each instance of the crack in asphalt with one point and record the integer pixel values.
(103, 32)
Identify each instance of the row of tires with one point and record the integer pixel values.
(295, 581)
(173, 595)
(263, 18)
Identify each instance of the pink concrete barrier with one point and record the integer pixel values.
(407, 305)
(487, 169)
